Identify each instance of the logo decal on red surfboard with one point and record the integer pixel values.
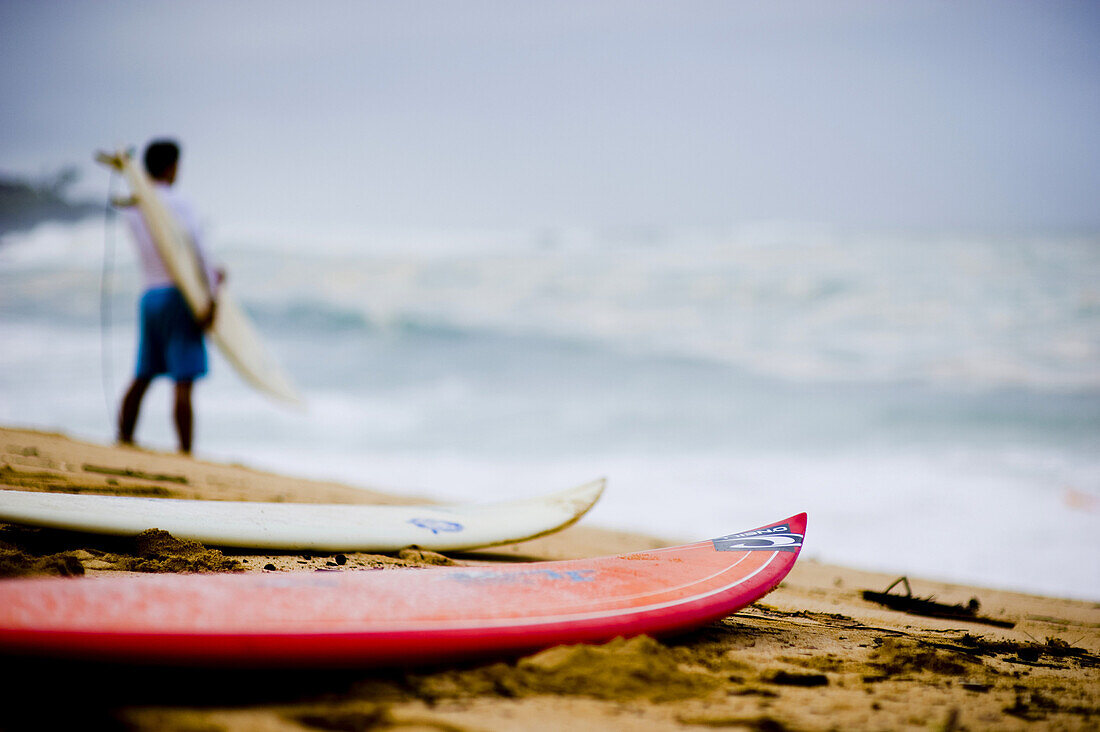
(777, 538)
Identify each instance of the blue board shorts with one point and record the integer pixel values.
(170, 341)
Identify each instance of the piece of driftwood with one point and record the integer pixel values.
(928, 607)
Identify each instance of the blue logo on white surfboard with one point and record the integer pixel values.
(436, 526)
(778, 538)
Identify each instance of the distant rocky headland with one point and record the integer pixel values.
(26, 202)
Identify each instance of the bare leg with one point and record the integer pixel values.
(184, 415)
(131, 405)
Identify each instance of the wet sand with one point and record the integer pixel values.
(813, 655)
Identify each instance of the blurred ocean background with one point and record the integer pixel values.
(932, 402)
(742, 259)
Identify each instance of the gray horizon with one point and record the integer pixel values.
(925, 115)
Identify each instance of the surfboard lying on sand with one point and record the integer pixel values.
(384, 617)
(232, 330)
(310, 526)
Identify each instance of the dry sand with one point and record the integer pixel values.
(812, 655)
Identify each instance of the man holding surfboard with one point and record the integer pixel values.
(170, 336)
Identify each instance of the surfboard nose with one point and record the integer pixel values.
(781, 536)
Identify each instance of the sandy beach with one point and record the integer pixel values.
(813, 655)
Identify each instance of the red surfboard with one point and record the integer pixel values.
(393, 617)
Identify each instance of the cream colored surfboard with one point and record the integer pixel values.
(305, 526)
(232, 330)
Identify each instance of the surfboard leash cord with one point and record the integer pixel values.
(106, 364)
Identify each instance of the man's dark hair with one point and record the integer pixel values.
(160, 155)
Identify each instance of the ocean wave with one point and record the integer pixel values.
(971, 311)
(806, 305)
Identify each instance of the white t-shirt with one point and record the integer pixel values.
(154, 274)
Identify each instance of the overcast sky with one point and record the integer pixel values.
(940, 115)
